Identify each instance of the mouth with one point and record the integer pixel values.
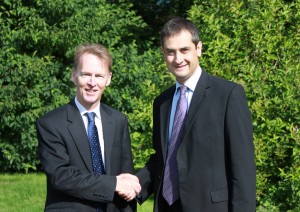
(180, 66)
(90, 91)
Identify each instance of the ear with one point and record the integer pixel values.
(199, 48)
(73, 76)
(163, 52)
(108, 80)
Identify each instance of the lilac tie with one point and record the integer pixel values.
(98, 165)
(170, 185)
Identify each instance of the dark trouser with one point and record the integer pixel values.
(101, 208)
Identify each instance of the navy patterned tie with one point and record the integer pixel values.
(170, 185)
(98, 166)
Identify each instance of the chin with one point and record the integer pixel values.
(181, 76)
(91, 100)
(180, 71)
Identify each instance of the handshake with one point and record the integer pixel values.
(128, 186)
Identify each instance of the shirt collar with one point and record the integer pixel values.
(193, 80)
(82, 109)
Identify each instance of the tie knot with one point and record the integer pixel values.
(91, 116)
(183, 90)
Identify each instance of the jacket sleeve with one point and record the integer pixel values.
(127, 167)
(146, 174)
(240, 151)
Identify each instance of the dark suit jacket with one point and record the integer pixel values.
(65, 155)
(216, 157)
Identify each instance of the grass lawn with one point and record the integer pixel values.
(27, 192)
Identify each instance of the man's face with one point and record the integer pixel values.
(181, 55)
(91, 80)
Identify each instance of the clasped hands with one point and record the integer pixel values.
(128, 186)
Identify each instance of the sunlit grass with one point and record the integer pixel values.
(22, 192)
(27, 193)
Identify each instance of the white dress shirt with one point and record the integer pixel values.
(98, 123)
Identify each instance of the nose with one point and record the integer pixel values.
(178, 58)
(92, 81)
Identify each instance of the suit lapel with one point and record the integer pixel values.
(108, 132)
(165, 111)
(197, 100)
(78, 132)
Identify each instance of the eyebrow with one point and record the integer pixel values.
(185, 48)
(182, 48)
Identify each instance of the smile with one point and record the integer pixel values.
(91, 91)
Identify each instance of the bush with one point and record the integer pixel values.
(137, 80)
(37, 44)
(256, 44)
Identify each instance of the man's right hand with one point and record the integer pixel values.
(128, 186)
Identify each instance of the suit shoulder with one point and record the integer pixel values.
(111, 111)
(222, 81)
(224, 84)
(57, 113)
(166, 94)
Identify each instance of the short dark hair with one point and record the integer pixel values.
(177, 25)
(92, 48)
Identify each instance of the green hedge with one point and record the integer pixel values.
(256, 43)
(37, 43)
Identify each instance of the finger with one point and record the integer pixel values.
(137, 187)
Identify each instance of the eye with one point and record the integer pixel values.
(185, 50)
(84, 74)
(99, 76)
(169, 52)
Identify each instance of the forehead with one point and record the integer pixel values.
(179, 40)
(91, 62)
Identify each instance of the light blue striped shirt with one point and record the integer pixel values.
(191, 85)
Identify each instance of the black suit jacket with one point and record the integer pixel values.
(65, 155)
(216, 157)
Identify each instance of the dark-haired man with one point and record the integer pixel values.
(202, 135)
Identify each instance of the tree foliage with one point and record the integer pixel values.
(257, 45)
(157, 12)
(137, 80)
(254, 43)
(37, 45)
